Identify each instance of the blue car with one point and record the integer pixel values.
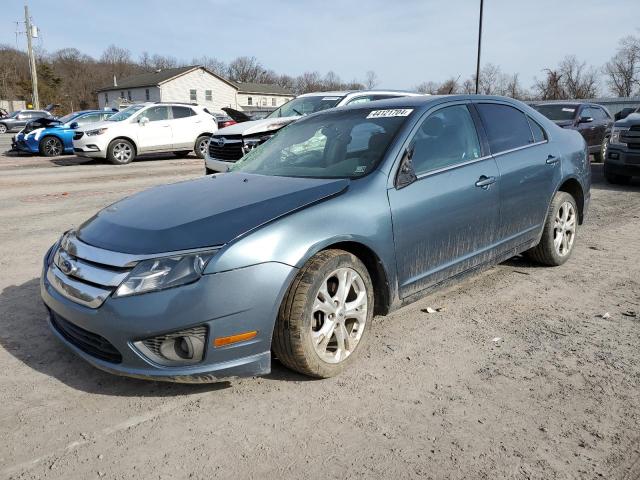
(344, 214)
(53, 136)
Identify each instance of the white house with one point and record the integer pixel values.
(194, 84)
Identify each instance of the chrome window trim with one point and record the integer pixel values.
(504, 152)
(72, 245)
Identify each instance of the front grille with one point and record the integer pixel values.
(635, 128)
(78, 135)
(230, 151)
(88, 342)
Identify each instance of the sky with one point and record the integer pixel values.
(405, 42)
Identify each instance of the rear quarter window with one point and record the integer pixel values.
(507, 127)
(539, 135)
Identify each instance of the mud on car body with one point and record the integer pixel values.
(345, 214)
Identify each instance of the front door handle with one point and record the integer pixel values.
(551, 160)
(484, 181)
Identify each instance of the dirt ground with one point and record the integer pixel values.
(519, 377)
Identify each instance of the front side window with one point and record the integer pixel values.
(158, 113)
(587, 112)
(446, 137)
(506, 126)
(305, 106)
(181, 112)
(208, 95)
(338, 144)
(193, 95)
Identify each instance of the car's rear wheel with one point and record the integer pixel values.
(613, 177)
(559, 232)
(3, 128)
(202, 143)
(51, 147)
(121, 151)
(324, 317)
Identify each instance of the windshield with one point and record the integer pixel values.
(557, 112)
(13, 115)
(126, 113)
(305, 106)
(338, 144)
(68, 117)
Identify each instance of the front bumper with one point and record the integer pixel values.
(227, 303)
(94, 146)
(215, 165)
(623, 161)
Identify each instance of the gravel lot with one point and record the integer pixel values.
(432, 395)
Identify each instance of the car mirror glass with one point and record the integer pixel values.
(74, 125)
(143, 120)
(586, 120)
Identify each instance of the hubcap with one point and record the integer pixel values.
(339, 315)
(122, 152)
(564, 229)
(3, 129)
(203, 146)
(53, 147)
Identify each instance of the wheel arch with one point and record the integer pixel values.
(573, 187)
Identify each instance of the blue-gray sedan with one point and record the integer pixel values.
(342, 215)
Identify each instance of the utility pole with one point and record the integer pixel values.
(479, 48)
(32, 59)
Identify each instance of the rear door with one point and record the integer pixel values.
(528, 166)
(184, 126)
(156, 134)
(445, 221)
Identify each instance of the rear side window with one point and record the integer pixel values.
(506, 127)
(539, 134)
(182, 112)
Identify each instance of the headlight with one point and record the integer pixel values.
(615, 135)
(161, 273)
(97, 131)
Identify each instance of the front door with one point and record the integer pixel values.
(445, 221)
(154, 134)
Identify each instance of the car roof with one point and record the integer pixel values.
(344, 93)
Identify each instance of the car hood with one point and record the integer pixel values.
(629, 120)
(209, 211)
(94, 126)
(255, 127)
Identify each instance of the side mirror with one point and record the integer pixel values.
(585, 120)
(74, 125)
(143, 121)
(406, 173)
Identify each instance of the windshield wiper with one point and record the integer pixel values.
(296, 111)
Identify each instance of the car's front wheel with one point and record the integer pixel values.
(559, 232)
(51, 147)
(202, 143)
(3, 128)
(324, 317)
(602, 154)
(121, 151)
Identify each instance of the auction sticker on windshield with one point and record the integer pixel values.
(394, 112)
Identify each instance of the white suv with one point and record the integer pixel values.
(147, 128)
(230, 144)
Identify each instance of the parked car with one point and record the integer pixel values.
(625, 112)
(230, 144)
(224, 120)
(622, 160)
(19, 118)
(343, 214)
(51, 137)
(147, 128)
(593, 121)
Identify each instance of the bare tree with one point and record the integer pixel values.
(429, 87)
(212, 64)
(245, 69)
(550, 87)
(371, 80)
(623, 70)
(119, 60)
(309, 82)
(578, 79)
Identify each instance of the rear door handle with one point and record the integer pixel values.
(551, 160)
(484, 181)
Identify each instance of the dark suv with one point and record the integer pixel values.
(20, 118)
(593, 122)
(622, 159)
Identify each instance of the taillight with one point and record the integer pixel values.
(228, 123)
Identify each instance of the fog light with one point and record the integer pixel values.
(185, 347)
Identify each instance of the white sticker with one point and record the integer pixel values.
(395, 112)
(330, 98)
(569, 110)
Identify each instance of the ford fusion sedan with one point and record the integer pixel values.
(51, 137)
(344, 214)
(147, 128)
(228, 145)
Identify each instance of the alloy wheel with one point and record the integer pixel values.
(3, 128)
(203, 145)
(52, 147)
(339, 314)
(564, 229)
(122, 152)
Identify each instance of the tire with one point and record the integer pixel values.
(549, 251)
(602, 153)
(182, 153)
(3, 128)
(201, 145)
(303, 315)
(50, 146)
(121, 151)
(613, 177)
